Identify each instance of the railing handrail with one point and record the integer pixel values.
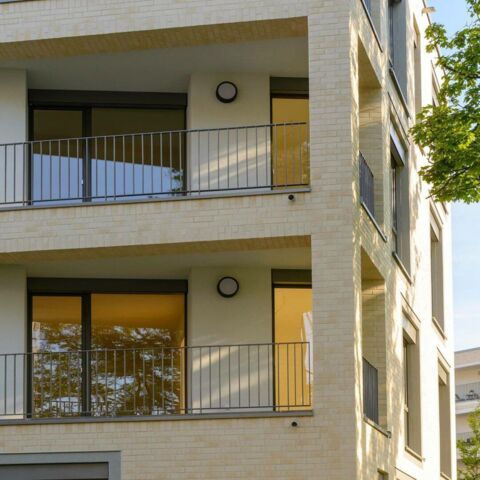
(160, 132)
(186, 347)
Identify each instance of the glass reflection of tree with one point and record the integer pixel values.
(133, 371)
(56, 369)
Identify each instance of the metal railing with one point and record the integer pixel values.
(370, 391)
(156, 381)
(154, 164)
(367, 185)
(464, 436)
(467, 392)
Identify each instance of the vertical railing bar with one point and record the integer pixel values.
(256, 156)
(96, 168)
(133, 164)
(144, 381)
(275, 146)
(210, 376)
(198, 161)
(246, 157)
(114, 381)
(266, 156)
(189, 354)
(300, 138)
(258, 373)
(220, 377)
(50, 383)
(172, 376)
(114, 163)
(41, 171)
(5, 361)
(180, 164)
(5, 173)
(59, 171)
(238, 171)
(228, 158)
(239, 373)
(124, 154)
(50, 165)
(105, 163)
(288, 377)
(295, 372)
(163, 380)
(208, 158)
(229, 377)
(14, 173)
(171, 160)
(153, 362)
(143, 163)
(309, 375)
(218, 159)
(268, 375)
(151, 163)
(201, 386)
(69, 386)
(161, 167)
(15, 384)
(134, 373)
(125, 380)
(285, 153)
(106, 383)
(248, 359)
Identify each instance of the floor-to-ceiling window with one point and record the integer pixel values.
(109, 353)
(105, 146)
(290, 136)
(293, 331)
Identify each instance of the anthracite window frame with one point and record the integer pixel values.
(85, 288)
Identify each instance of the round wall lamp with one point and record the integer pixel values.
(226, 92)
(228, 287)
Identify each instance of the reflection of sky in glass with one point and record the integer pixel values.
(61, 178)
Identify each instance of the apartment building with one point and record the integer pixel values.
(467, 389)
(217, 259)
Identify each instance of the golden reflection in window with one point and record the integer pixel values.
(138, 360)
(293, 357)
(290, 150)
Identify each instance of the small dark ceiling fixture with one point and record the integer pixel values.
(226, 92)
(228, 287)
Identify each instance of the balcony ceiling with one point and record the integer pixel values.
(171, 266)
(167, 69)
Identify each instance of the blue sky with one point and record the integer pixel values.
(466, 225)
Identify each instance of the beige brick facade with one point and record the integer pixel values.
(353, 104)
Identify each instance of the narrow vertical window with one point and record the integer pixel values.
(436, 273)
(411, 387)
(417, 65)
(444, 421)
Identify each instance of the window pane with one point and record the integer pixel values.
(56, 376)
(290, 150)
(293, 361)
(57, 166)
(141, 161)
(137, 364)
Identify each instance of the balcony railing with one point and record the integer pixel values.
(263, 377)
(370, 391)
(367, 185)
(155, 165)
(467, 392)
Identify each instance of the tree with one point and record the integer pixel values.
(470, 450)
(449, 131)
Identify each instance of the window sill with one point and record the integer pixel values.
(377, 427)
(157, 418)
(402, 267)
(372, 25)
(374, 221)
(439, 328)
(414, 454)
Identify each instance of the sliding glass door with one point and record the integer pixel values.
(93, 153)
(107, 354)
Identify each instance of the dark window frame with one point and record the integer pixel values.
(85, 288)
(87, 100)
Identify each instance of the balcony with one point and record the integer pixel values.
(157, 381)
(467, 392)
(155, 165)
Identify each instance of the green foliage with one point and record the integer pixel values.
(470, 450)
(449, 132)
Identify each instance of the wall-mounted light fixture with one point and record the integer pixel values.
(228, 287)
(226, 92)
